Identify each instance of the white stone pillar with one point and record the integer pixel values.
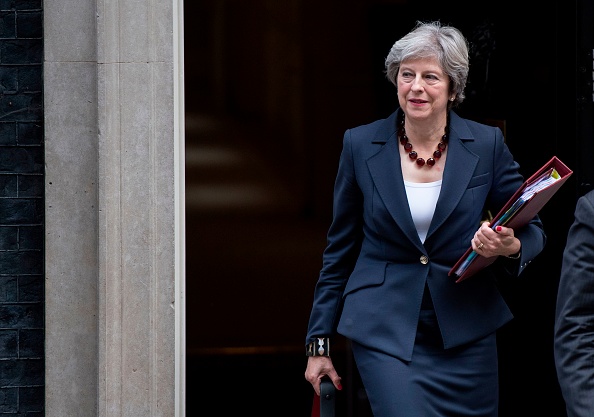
(113, 80)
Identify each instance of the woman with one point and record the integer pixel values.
(409, 197)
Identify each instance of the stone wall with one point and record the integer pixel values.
(21, 209)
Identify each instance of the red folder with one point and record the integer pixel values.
(522, 211)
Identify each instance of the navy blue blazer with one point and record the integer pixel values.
(574, 314)
(375, 267)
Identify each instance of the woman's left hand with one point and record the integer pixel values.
(501, 241)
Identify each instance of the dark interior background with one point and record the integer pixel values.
(270, 88)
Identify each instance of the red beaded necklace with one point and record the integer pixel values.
(441, 146)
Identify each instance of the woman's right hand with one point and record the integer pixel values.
(317, 368)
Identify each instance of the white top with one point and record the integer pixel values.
(422, 198)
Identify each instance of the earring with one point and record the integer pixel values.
(452, 98)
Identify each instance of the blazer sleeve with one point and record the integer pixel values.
(532, 236)
(343, 245)
(574, 314)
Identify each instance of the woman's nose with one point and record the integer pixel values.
(417, 84)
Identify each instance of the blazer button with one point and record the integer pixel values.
(424, 260)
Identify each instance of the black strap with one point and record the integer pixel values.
(327, 398)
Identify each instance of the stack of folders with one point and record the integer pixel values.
(518, 211)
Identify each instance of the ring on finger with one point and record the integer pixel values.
(480, 246)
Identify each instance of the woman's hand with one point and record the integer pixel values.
(501, 241)
(318, 367)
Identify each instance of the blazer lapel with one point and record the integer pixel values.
(385, 171)
(460, 165)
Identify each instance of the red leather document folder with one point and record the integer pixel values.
(526, 202)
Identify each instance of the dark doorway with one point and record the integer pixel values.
(270, 88)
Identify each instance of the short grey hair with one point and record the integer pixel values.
(432, 39)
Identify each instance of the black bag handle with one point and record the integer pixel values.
(327, 398)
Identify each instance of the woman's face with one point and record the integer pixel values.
(423, 88)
